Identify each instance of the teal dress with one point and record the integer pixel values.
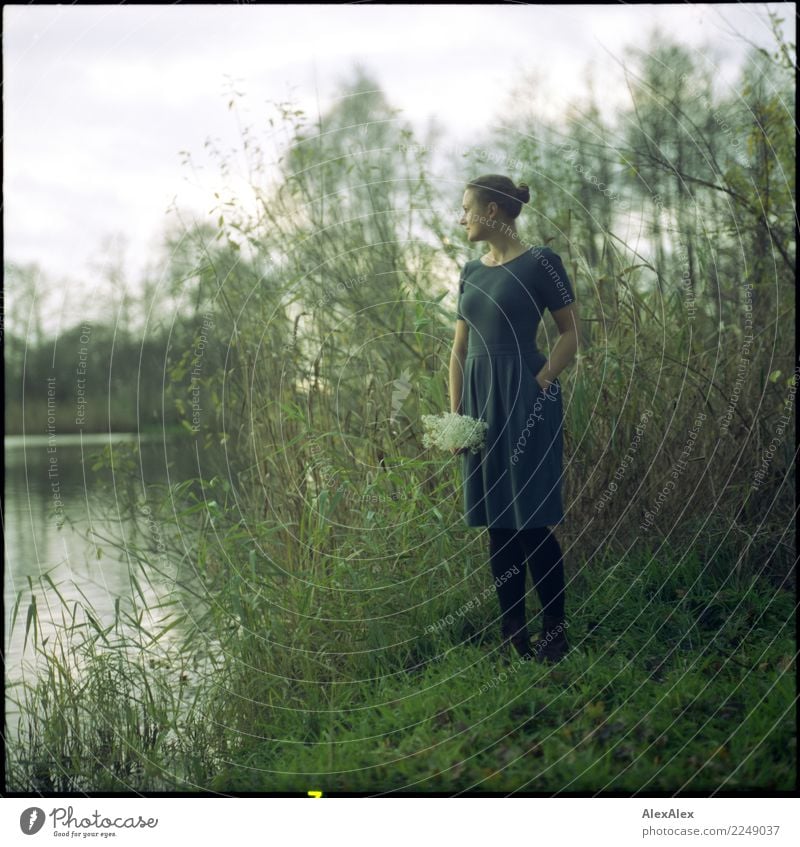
(515, 481)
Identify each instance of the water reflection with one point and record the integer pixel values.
(53, 496)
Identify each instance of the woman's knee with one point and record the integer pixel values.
(534, 536)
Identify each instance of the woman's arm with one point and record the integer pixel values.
(457, 357)
(566, 345)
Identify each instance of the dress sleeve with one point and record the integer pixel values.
(459, 313)
(556, 286)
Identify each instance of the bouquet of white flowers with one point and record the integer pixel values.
(450, 430)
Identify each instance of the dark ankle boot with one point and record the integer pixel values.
(553, 645)
(522, 644)
(516, 634)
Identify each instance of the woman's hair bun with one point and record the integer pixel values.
(500, 189)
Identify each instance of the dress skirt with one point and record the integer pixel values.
(515, 480)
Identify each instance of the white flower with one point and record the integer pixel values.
(450, 430)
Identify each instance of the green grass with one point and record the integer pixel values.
(541, 730)
(681, 676)
(643, 702)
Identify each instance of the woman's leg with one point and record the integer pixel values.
(507, 559)
(546, 562)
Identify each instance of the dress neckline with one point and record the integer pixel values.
(523, 253)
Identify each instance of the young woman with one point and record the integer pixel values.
(497, 374)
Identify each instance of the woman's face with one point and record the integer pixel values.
(477, 222)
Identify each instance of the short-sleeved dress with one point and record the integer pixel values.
(515, 481)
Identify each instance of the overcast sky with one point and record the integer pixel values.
(98, 100)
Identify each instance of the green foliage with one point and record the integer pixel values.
(659, 699)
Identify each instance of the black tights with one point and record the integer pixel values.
(508, 550)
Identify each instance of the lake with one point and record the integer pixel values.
(53, 498)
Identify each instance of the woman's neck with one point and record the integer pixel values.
(505, 247)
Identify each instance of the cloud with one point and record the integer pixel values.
(99, 99)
